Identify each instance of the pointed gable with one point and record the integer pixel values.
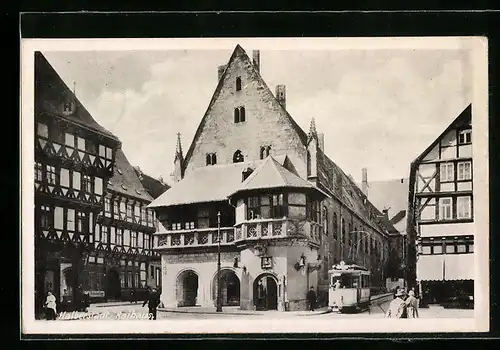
(271, 174)
(463, 119)
(52, 94)
(262, 110)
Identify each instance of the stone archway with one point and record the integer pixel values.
(230, 288)
(265, 292)
(187, 288)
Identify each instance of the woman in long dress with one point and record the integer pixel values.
(412, 305)
(50, 306)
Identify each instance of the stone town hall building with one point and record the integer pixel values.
(287, 212)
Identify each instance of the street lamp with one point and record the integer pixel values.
(405, 261)
(219, 304)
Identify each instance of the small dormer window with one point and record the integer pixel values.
(239, 114)
(238, 157)
(238, 83)
(211, 158)
(124, 187)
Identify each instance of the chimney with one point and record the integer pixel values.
(386, 213)
(321, 141)
(281, 95)
(364, 184)
(220, 71)
(256, 59)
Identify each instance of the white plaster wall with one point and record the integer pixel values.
(447, 229)
(204, 265)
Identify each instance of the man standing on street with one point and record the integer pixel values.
(397, 307)
(153, 301)
(311, 298)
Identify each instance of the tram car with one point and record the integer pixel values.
(349, 287)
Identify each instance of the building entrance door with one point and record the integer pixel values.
(187, 288)
(266, 293)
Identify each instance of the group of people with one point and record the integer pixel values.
(404, 305)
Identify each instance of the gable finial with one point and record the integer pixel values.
(74, 88)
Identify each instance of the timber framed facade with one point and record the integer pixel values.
(74, 158)
(441, 220)
(93, 231)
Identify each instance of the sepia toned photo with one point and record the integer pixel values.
(255, 185)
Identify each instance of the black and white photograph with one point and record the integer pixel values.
(250, 185)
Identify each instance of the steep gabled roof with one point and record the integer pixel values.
(270, 175)
(154, 187)
(239, 52)
(459, 121)
(55, 92)
(464, 117)
(125, 180)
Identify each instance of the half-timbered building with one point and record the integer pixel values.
(74, 159)
(256, 184)
(441, 219)
(123, 260)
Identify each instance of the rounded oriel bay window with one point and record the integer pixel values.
(278, 205)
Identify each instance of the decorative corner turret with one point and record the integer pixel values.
(178, 160)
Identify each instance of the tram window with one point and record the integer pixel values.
(355, 282)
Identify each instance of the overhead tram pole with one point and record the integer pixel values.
(219, 304)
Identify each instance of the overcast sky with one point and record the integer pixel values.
(378, 109)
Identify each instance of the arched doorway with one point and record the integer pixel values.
(230, 288)
(113, 285)
(187, 288)
(265, 292)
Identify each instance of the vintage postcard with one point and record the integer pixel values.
(333, 185)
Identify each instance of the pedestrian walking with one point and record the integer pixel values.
(397, 307)
(133, 296)
(50, 306)
(311, 298)
(153, 301)
(412, 305)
